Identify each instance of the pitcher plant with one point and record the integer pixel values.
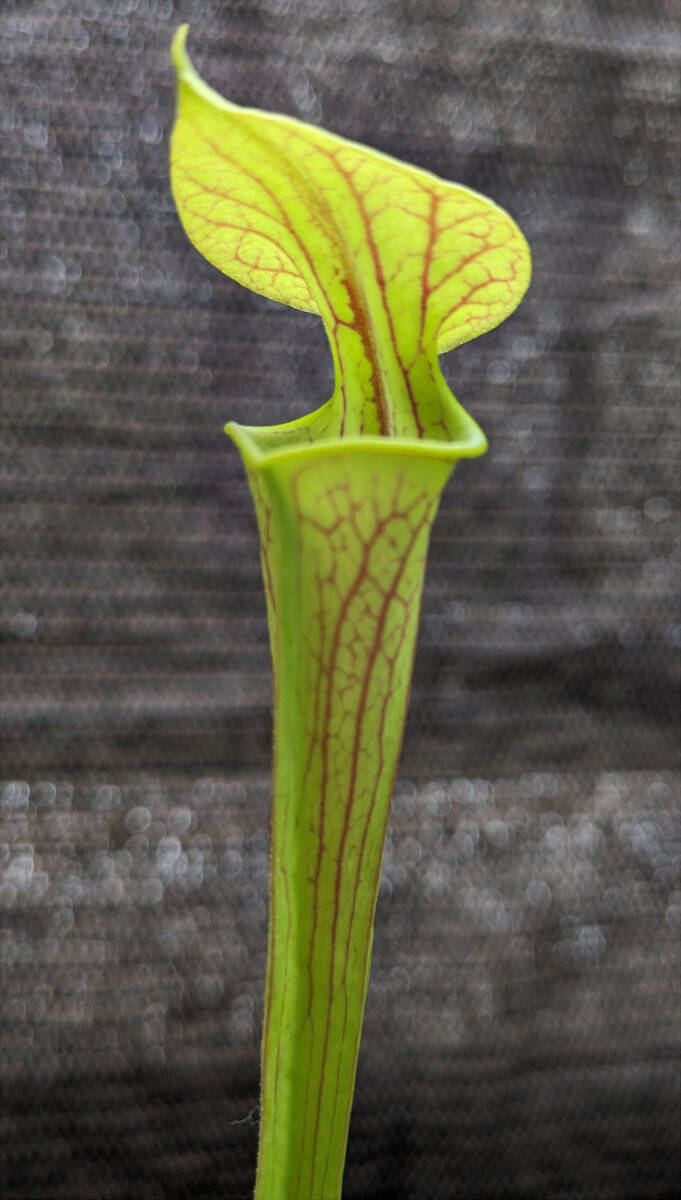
(400, 266)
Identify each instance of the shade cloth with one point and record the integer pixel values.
(522, 1026)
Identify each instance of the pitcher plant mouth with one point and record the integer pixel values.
(262, 446)
(401, 266)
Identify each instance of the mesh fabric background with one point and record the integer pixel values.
(521, 1037)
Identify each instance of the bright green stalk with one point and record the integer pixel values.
(400, 266)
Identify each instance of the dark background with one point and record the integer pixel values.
(522, 1026)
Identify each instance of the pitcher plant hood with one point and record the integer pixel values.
(399, 264)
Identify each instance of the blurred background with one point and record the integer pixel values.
(522, 1027)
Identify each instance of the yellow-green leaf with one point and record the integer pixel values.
(400, 265)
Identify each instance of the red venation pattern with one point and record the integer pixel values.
(399, 264)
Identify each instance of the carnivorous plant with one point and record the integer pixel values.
(400, 266)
